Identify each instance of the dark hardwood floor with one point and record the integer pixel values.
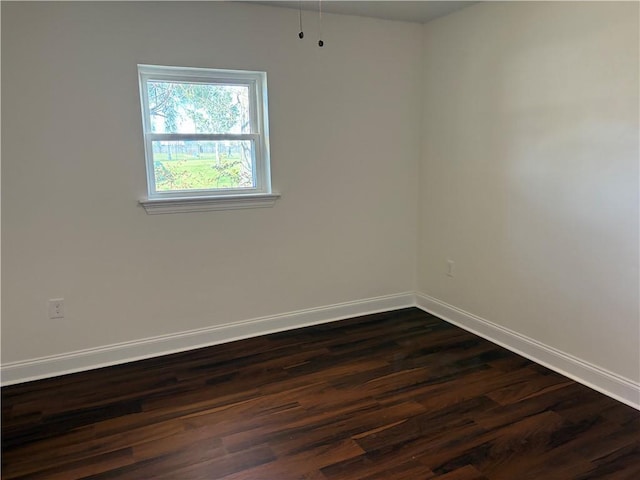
(400, 396)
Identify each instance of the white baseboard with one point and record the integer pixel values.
(612, 385)
(44, 367)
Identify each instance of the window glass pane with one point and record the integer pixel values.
(203, 164)
(198, 107)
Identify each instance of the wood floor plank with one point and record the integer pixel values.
(467, 472)
(396, 395)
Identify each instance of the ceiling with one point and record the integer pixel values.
(419, 12)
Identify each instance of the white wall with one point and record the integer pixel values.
(344, 148)
(529, 173)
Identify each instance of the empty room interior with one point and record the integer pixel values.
(320, 240)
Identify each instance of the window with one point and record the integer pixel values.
(205, 138)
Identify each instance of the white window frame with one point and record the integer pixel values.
(261, 195)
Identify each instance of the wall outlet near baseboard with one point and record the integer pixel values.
(450, 267)
(56, 308)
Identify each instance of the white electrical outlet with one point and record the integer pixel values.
(56, 308)
(450, 267)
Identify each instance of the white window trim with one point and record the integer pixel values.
(203, 204)
(203, 200)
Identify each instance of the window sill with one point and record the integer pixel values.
(204, 204)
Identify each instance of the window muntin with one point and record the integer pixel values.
(205, 132)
